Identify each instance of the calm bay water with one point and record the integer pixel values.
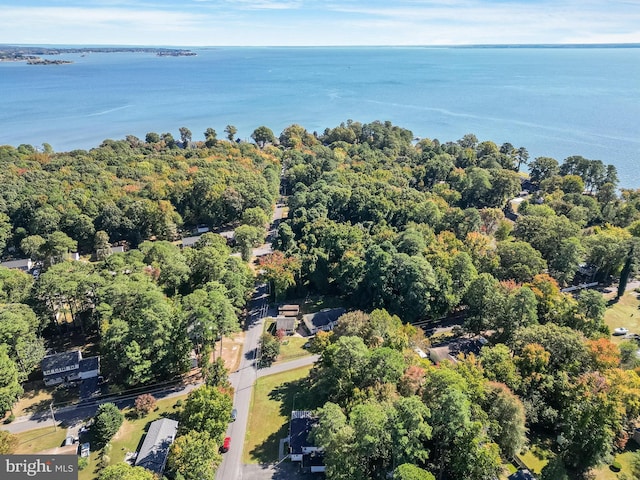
(553, 101)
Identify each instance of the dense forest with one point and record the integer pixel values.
(402, 230)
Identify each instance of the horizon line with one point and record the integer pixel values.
(468, 45)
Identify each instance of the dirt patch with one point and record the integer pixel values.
(231, 350)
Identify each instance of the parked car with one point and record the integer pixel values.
(234, 415)
(620, 331)
(85, 450)
(225, 445)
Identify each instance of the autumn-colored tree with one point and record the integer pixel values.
(280, 271)
(144, 404)
(604, 354)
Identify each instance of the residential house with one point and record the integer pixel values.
(155, 448)
(301, 448)
(190, 241)
(451, 350)
(67, 367)
(323, 320)
(522, 474)
(286, 324)
(24, 264)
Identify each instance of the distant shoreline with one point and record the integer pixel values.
(32, 54)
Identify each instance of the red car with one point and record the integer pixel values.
(226, 444)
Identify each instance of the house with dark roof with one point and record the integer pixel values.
(301, 448)
(523, 474)
(155, 448)
(325, 319)
(67, 367)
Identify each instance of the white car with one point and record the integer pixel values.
(620, 331)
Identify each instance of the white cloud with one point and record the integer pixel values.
(285, 22)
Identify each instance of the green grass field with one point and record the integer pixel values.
(291, 348)
(273, 399)
(34, 441)
(624, 313)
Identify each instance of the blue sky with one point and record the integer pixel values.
(318, 22)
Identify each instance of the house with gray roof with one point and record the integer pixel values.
(155, 448)
(24, 264)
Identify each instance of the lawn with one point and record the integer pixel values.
(605, 473)
(34, 441)
(273, 400)
(624, 313)
(291, 348)
(129, 436)
(538, 454)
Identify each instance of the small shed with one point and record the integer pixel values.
(288, 310)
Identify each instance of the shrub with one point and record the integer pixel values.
(144, 404)
(616, 466)
(83, 462)
(179, 403)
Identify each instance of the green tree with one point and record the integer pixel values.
(210, 137)
(231, 131)
(101, 245)
(185, 136)
(247, 238)
(10, 388)
(507, 417)
(194, 456)
(542, 168)
(255, 217)
(499, 366)
(407, 471)
(207, 409)
(209, 313)
(269, 349)
(519, 261)
(124, 471)
(263, 135)
(107, 422)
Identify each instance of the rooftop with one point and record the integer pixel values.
(301, 424)
(323, 317)
(155, 448)
(61, 360)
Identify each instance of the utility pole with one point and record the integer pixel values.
(55, 426)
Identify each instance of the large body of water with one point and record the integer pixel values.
(553, 101)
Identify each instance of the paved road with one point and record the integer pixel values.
(244, 378)
(80, 412)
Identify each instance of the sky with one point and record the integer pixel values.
(317, 22)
